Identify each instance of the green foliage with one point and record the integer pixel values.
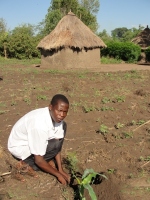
(147, 52)
(105, 36)
(87, 178)
(90, 5)
(126, 51)
(51, 20)
(108, 60)
(119, 125)
(103, 129)
(22, 43)
(3, 36)
(119, 32)
(72, 162)
(125, 35)
(82, 9)
(147, 158)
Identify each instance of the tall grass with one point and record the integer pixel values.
(13, 61)
(107, 60)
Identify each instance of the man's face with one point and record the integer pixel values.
(59, 111)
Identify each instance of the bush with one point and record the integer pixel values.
(147, 52)
(125, 51)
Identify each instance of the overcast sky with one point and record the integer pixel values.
(112, 13)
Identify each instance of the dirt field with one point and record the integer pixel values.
(108, 128)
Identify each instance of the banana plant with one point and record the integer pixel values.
(85, 183)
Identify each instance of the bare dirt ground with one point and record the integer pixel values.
(108, 128)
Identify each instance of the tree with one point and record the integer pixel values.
(118, 32)
(22, 42)
(51, 20)
(90, 5)
(123, 34)
(105, 36)
(85, 10)
(3, 37)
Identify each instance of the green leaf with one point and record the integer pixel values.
(88, 171)
(91, 192)
(81, 190)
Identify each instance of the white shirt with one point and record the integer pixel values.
(31, 133)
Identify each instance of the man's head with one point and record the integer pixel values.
(58, 107)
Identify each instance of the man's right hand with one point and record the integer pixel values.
(62, 180)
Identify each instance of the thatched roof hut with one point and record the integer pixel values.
(70, 45)
(143, 39)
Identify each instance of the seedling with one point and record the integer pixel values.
(41, 97)
(85, 183)
(103, 129)
(120, 99)
(105, 108)
(128, 134)
(140, 122)
(144, 158)
(111, 171)
(27, 100)
(87, 109)
(105, 100)
(87, 178)
(119, 125)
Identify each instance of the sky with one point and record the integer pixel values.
(112, 13)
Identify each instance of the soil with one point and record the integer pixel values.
(108, 128)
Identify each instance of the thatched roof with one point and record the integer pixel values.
(71, 32)
(143, 39)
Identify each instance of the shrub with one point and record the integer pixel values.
(147, 52)
(125, 51)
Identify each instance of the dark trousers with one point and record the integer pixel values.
(53, 148)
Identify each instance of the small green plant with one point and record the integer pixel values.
(103, 129)
(72, 162)
(13, 103)
(144, 158)
(133, 122)
(119, 125)
(105, 108)
(2, 104)
(85, 183)
(27, 100)
(128, 134)
(87, 109)
(120, 99)
(105, 100)
(87, 178)
(41, 97)
(111, 171)
(140, 122)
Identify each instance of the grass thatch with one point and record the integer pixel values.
(71, 32)
(143, 39)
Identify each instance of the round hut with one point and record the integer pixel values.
(143, 39)
(70, 45)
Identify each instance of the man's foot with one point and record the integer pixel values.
(22, 168)
(32, 172)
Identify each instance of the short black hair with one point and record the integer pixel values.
(59, 97)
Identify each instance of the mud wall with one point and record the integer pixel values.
(69, 58)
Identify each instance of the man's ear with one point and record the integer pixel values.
(50, 107)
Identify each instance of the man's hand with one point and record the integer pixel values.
(65, 175)
(62, 179)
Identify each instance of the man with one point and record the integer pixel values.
(36, 139)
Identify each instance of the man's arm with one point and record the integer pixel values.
(39, 160)
(60, 169)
